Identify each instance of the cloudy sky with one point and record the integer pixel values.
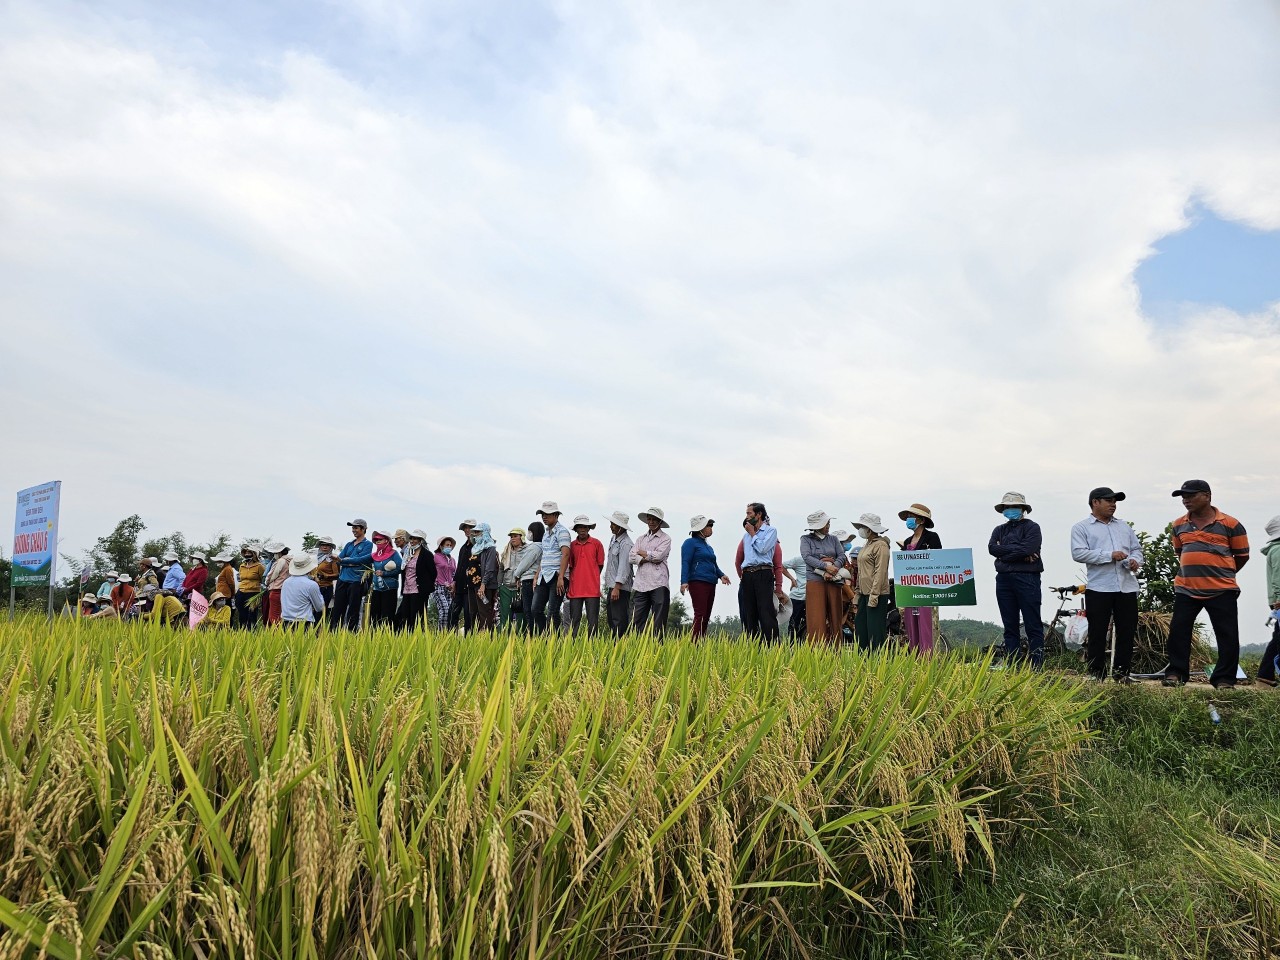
(264, 267)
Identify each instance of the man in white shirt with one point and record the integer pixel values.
(1112, 556)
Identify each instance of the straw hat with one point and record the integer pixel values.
(402, 532)
(919, 511)
(656, 514)
(1012, 499)
(872, 522)
(582, 520)
(699, 523)
(301, 565)
(548, 508)
(218, 595)
(818, 520)
(621, 519)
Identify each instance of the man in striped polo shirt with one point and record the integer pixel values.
(1211, 548)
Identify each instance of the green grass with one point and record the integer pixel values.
(1165, 848)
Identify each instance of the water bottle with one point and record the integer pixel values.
(1214, 716)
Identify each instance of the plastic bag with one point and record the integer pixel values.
(1077, 631)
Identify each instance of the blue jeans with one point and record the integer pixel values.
(1019, 593)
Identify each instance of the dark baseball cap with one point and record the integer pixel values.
(1192, 486)
(1104, 493)
(357, 523)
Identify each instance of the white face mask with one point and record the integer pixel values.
(864, 533)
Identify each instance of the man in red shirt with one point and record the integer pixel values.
(1212, 547)
(586, 560)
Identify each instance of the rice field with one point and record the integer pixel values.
(170, 794)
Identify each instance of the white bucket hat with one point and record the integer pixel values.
(275, 546)
(657, 514)
(1013, 499)
(171, 557)
(329, 540)
(90, 598)
(125, 578)
(469, 524)
(698, 524)
(301, 565)
(621, 519)
(818, 520)
(418, 534)
(223, 557)
(872, 522)
(842, 535)
(582, 520)
(113, 573)
(548, 506)
(199, 556)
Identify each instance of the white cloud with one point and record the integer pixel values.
(822, 255)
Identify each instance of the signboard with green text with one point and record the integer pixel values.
(934, 578)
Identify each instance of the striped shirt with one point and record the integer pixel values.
(1208, 556)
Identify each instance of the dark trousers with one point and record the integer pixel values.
(484, 613)
(382, 607)
(348, 597)
(246, 617)
(1267, 669)
(592, 606)
(462, 609)
(871, 624)
(1101, 608)
(755, 601)
(702, 596)
(798, 626)
(1019, 594)
(1224, 616)
(619, 612)
(327, 594)
(526, 607)
(655, 602)
(412, 611)
(546, 605)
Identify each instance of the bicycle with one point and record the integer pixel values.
(1056, 626)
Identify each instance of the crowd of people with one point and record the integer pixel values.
(837, 579)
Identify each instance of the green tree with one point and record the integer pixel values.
(309, 540)
(5, 571)
(677, 616)
(1159, 567)
(118, 550)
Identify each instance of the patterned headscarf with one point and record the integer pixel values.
(484, 541)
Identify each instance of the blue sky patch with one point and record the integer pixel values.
(1212, 262)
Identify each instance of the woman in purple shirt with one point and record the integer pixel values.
(446, 567)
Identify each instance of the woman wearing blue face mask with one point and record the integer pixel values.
(918, 621)
(1016, 545)
(446, 567)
